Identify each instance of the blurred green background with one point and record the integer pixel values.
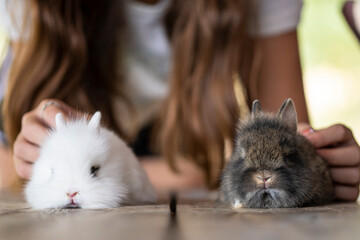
(331, 65)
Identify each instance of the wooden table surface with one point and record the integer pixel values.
(200, 220)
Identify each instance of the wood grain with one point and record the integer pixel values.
(194, 221)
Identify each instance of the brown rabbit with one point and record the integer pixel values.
(272, 166)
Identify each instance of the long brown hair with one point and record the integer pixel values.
(209, 46)
(70, 55)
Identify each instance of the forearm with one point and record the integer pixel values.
(165, 180)
(279, 74)
(8, 177)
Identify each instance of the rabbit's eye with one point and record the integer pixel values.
(293, 158)
(94, 170)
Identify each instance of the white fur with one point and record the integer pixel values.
(237, 204)
(64, 164)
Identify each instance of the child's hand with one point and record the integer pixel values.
(337, 145)
(34, 129)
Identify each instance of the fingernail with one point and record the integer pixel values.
(308, 134)
(307, 131)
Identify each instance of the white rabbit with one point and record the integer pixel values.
(84, 165)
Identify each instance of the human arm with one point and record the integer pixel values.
(277, 73)
(8, 177)
(165, 180)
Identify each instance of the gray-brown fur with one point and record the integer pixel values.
(273, 166)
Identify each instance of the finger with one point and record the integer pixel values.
(330, 136)
(303, 127)
(49, 114)
(349, 176)
(341, 156)
(347, 193)
(23, 168)
(33, 131)
(55, 102)
(25, 150)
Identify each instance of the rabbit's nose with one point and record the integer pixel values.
(264, 179)
(71, 195)
(260, 179)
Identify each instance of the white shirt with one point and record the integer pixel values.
(146, 62)
(147, 50)
(11, 17)
(276, 16)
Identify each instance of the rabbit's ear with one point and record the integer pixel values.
(256, 108)
(288, 114)
(94, 122)
(59, 121)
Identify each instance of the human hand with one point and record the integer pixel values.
(35, 127)
(337, 145)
